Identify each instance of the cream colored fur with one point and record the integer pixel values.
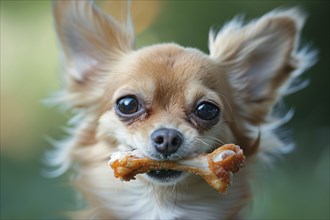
(249, 69)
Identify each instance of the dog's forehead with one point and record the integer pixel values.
(168, 60)
(167, 64)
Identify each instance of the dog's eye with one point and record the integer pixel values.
(207, 111)
(128, 105)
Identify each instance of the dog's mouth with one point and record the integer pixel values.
(165, 176)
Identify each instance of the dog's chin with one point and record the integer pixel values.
(165, 177)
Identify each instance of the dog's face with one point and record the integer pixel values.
(171, 102)
(167, 104)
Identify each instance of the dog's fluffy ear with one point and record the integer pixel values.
(91, 42)
(261, 59)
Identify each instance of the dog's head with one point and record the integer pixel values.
(171, 102)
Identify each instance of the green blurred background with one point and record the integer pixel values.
(296, 188)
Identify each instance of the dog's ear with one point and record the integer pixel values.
(261, 59)
(91, 42)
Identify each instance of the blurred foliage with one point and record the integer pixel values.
(298, 186)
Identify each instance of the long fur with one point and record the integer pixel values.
(250, 68)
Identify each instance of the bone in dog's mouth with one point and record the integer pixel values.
(216, 168)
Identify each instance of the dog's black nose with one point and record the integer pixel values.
(166, 141)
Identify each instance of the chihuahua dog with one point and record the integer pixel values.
(171, 102)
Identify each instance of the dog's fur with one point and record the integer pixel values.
(249, 69)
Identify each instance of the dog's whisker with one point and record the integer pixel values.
(202, 141)
(206, 143)
(217, 139)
